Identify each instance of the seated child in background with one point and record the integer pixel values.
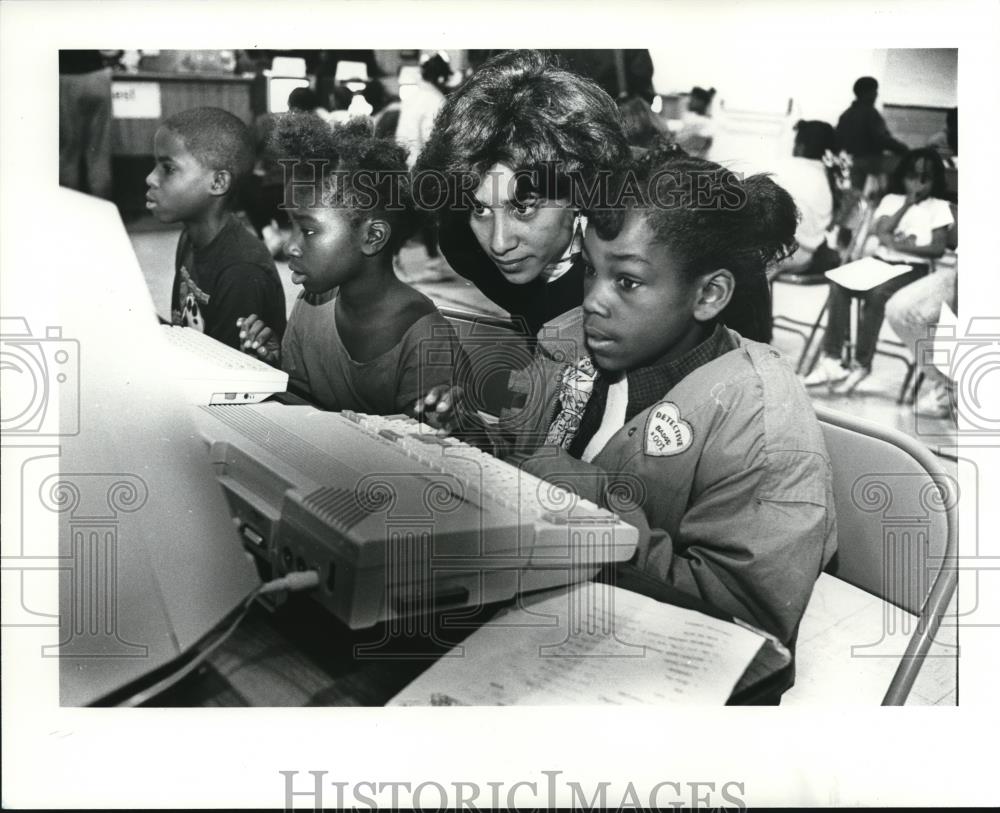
(804, 177)
(913, 313)
(358, 338)
(911, 224)
(711, 432)
(222, 271)
(697, 128)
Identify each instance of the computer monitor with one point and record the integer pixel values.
(278, 90)
(149, 559)
(409, 75)
(348, 71)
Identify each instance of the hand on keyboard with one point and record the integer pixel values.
(258, 340)
(443, 408)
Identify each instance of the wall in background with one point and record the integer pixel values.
(927, 77)
(761, 94)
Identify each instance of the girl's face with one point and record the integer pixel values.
(520, 234)
(919, 180)
(325, 246)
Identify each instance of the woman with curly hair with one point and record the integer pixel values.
(516, 149)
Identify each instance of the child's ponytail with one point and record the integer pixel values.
(773, 218)
(765, 234)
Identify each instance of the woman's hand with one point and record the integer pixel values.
(918, 194)
(257, 339)
(444, 408)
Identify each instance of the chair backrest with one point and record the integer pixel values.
(864, 243)
(896, 511)
(897, 529)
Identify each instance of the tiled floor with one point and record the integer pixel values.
(874, 400)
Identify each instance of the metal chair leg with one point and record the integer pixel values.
(812, 335)
(904, 390)
(917, 384)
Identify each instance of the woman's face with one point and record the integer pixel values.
(521, 234)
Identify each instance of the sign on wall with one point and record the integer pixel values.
(135, 100)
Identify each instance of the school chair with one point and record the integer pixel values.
(862, 244)
(809, 276)
(897, 525)
(810, 351)
(804, 330)
(861, 213)
(467, 320)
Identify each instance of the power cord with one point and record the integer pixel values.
(292, 582)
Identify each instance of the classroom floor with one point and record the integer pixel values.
(874, 400)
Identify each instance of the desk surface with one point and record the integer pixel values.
(301, 656)
(190, 76)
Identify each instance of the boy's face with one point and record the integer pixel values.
(521, 236)
(325, 246)
(180, 186)
(637, 306)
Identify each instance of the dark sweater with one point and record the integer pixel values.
(862, 132)
(535, 303)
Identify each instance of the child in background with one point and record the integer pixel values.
(420, 106)
(358, 338)
(697, 128)
(804, 177)
(643, 128)
(913, 313)
(712, 433)
(911, 224)
(222, 271)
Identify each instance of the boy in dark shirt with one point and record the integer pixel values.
(222, 271)
(863, 133)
